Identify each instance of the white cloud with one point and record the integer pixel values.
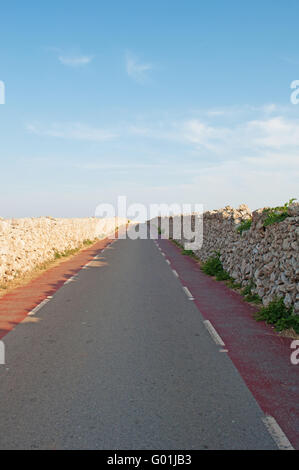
(208, 159)
(248, 138)
(73, 131)
(75, 61)
(136, 70)
(256, 183)
(206, 136)
(277, 133)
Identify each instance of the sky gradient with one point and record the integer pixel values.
(161, 101)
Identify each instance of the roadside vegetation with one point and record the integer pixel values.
(273, 215)
(277, 214)
(178, 244)
(184, 251)
(189, 253)
(244, 226)
(248, 295)
(73, 251)
(213, 267)
(277, 314)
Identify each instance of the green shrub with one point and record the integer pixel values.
(248, 295)
(277, 214)
(88, 242)
(177, 243)
(233, 284)
(247, 290)
(254, 298)
(279, 315)
(189, 253)
(222, 275)
(245, 225)
(213, 267)
(66, 253)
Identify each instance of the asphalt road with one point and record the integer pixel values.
(120, 359)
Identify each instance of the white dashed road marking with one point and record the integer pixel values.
(277, 433)
(71, 279)
(188, 293)
(39, 306)
(213, 333)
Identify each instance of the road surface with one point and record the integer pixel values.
(120, 358)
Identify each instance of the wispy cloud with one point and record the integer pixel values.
(257, 149)
(75, 61)
(277, 133)
(72, 131)
(136, 70)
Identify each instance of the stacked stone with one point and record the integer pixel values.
(267, 257)
(27, 243)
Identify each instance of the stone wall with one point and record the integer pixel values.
(266, 256)
(27, 243)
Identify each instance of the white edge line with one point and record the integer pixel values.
(39, 306)
(277, 433)
(71, 279)
(94, 258)
(188, 293)
(213, 333)
(86, 265)
(175, 273)
(167, 261)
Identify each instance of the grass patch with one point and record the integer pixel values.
(248, 295)
(66, 253)
(189, 253)
(277, 214)
(244, 226)
(213, 267)
(279, 315)
(73, 251)
(177, 243)
(232, 284)
(184, 251)
(254, 298)
(222, 276)
(88, 242)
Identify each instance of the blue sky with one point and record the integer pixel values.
(162, 101)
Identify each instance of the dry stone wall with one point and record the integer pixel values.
(265, 256)
(27, 243)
